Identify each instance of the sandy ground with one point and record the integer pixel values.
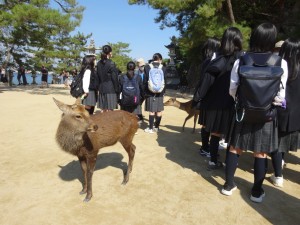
(169, 183)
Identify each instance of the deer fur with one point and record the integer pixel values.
(83, 135)
(186, 106)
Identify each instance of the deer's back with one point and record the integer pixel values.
(112, 126)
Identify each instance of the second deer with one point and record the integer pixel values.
(83, 135)
(186, 106)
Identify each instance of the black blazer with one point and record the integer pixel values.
(107, 77)
(217, 76)
(288, 119)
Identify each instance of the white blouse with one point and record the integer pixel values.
(234, 79)
(86, 80)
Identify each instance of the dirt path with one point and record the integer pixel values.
(169, 183)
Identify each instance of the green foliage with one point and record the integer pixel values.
(120, 55)
(37, 32)
(196, 20)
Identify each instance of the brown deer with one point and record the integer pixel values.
(186, 106)
(83, 135)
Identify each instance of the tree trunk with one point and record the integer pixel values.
(230, 12)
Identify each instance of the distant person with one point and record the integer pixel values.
(154, 81)
(288, 119)
(3, 75)
(141, 73)
(68, 80)
(107, 81)
(132, 90)
(89, 85)
(277, 47)
(44, 72)
(21, 73)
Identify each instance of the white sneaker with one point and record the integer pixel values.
(155, 129)
(282, 164)
(277, 181)
(148, 130)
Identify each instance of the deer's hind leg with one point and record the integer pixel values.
(195, 122)
(186, 119)
(130, 149)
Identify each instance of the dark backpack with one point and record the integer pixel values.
(76, 86)
(259, 81)
(130, 92)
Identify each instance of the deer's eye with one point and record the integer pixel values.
(78, 117)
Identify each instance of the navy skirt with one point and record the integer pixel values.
(154, 104)
(137, 110)
(216, 121)
(289, 141)
(107, 101)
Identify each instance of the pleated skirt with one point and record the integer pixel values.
(154, 104)
(137, 110)
(91, 99)
(216, 121)
(256, 137)
(107, 101)
(289, 141)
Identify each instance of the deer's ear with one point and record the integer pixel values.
(62, 106)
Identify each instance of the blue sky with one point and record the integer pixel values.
(116, 21)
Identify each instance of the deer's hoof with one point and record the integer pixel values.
(82, 192)
(125, 181)
(87, 199)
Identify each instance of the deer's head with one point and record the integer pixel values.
(75, 116)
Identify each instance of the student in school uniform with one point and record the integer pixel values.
(217, 105)
(262, 137)
(107, 81)
(288, 118)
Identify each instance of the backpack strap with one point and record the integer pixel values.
(274, 60)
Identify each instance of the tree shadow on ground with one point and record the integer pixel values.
(72, 170)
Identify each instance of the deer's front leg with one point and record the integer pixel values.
(83, 164)
(91, 162)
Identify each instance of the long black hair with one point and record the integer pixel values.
(231, 41)
(209, 47)
(88, 62)
(290, 51)
(263, 38)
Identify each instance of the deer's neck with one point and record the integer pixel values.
(69, 140)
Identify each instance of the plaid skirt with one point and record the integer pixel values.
(107, 101)
(256, 137)
(154, 104)
(137, 110)
(216, 121)
(91, 99)
(289, 141)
